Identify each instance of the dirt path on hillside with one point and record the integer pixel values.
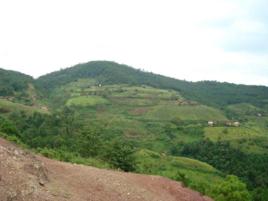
(26, 177)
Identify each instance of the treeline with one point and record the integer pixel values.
(208, 92)
(14, 86)
(12, 82)
(251, 168)
(61, 136)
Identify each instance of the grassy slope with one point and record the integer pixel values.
(8, 106)
(185, 112)
(138, 113)
(86, 101)
(142, 114)
(251, 136)
(195, 173)
(209, 93)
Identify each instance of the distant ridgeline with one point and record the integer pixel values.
(15, 86)
(207, 92)
(12, 82)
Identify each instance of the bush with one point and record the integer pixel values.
(232, 189)
(7, 127)
(120, 155)
(179, 176)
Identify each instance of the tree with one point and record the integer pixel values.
(232, 189)
(120, 155)
(7, 127)
(90, 143)
(67, 117)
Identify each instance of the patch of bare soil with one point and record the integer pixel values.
(26, 177)
(138, 111)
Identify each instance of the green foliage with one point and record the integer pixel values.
(207, 92)
(248, 139)
(12, 82)
(86, 101)
(260, 194)
(90, 143)
(182, 177)
(16, 86)
(60, 136)
(7, 127)
(12, 138)
(72, 157)
(120, 155)
(193, 173)
(232, 189)
(252, 168)
(197, 112)
(101, 112)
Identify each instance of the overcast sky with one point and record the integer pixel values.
(224, 40)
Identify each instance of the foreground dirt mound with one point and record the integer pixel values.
(25, 177)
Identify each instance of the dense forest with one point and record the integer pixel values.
(252, 168)
(15, 85)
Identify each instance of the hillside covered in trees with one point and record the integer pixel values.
(207, 92)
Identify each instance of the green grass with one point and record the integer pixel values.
(140, 101)
(9, 106)
(244, 109)
(247, 139)
(72, 158)
(199, 175)
(85, 101)
(230, 133)
(188, 112)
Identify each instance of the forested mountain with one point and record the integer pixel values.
(12, 82)
(110, 115)
(207, 92)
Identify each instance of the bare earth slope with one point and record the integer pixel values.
(26, 177)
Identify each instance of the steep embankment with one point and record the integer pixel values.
(26, 177)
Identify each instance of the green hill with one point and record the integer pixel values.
(207, 92)
(18, 88)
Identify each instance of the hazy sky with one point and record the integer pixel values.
(225, 40)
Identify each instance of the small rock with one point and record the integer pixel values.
(42, 183)
(16, 152)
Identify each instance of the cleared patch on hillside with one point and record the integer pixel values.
(247, 139)
(86, 101)
(8, 106)
(244, 109)
(186, 112)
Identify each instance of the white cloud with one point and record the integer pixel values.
(181, 39)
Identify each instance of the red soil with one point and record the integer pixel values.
(26, 177)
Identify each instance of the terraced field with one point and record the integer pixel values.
(9, 106)
(141, 114)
